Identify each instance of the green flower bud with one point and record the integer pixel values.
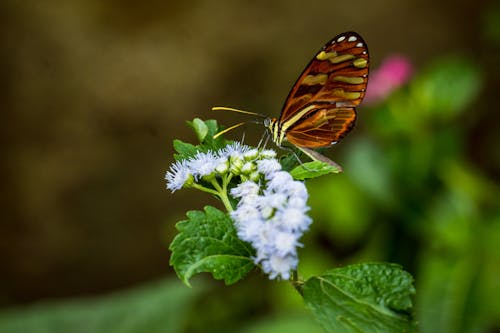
(236, 165)
(251, 154)
(248, 167)
(222, 168)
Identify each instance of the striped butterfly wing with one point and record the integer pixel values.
(319, 110)
(325, 125)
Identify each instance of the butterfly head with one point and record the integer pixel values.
(272, 125)
(268, 122)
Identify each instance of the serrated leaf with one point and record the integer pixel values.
(370, 297)
(199, 127)
(312, 170)
(207, 242)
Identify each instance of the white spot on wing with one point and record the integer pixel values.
(359, 44)
(341, 38)
(352, 39)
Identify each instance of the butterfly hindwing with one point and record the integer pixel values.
(324, 126)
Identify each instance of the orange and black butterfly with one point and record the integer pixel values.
(321, 107)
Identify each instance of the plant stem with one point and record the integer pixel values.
(223, 192)
(216, 185)
(297, 283)
(204, 189)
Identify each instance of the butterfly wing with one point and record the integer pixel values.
(320, 110)
(326, 125)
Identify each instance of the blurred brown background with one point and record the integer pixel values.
(93, 93)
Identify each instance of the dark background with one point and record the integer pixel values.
(93, 93)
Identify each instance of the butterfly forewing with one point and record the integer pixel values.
(320, 110)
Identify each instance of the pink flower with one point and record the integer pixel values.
(394, 72)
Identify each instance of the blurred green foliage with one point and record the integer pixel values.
(410, 190)
(158, 307)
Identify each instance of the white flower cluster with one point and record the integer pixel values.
(271, 211)
(235, 158)
(272, 219)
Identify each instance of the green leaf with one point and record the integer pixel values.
(209, 142)
(205, 130)
(370, 297)
(207, 242)
(212, 127)
(312, 170)
(288, 162)
(184, 150)
(199, 127)
(158, 307)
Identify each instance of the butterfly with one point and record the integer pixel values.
(321, 107)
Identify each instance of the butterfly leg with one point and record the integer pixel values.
(294, 153)
(315, 156)
(263, 141)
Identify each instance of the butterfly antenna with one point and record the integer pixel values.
(228, 129)
(223, 108)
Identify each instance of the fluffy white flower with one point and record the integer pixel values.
(177, 176)
(203, 164)
(250, 228)
(279, 266)
(268, 153)
(223, 167)
(246, 212)
(275, 230)
(286, 243)
(278, 180)
(296, 190)
(268, 166)
(244, 189)
(235, 150)
(293, 219)
(206, 163)
(251, 154)
(247, 168)
(297, 202)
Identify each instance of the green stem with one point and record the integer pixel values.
(204, 189)
(215, 184)
(219, 191)
(297, 283)
(225, 182)
(223, 192)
